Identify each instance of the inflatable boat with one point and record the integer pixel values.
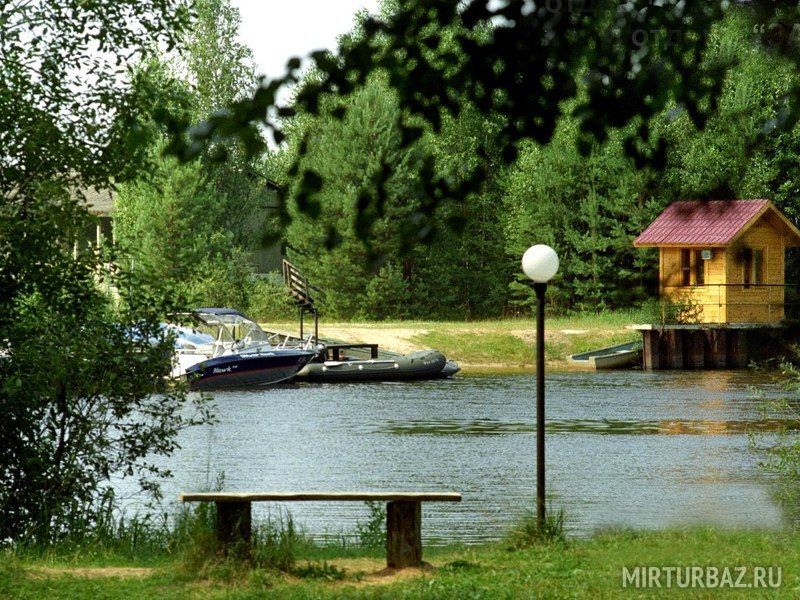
(426, 364)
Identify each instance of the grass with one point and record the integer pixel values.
(491, 345)
(527, 533)
(479, 345)
(590, 568)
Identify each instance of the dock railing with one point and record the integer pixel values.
(782, 300)
(299, 288)
(297, 284)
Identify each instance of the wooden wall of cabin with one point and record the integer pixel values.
(707, 302)
(757, 303)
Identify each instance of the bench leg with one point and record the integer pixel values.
(233, 526)
(403, 534)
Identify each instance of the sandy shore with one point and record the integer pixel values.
(504, 346)
(396, 339)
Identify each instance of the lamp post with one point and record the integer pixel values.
(540, 263)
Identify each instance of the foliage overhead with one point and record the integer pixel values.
(64, 82)
(519, 60)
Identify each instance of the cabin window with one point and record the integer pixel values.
(753, 266)
(758, 267)
(105, 231)
(699, 268)
(686, 267)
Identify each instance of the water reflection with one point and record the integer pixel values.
(600, 426)
(630, 449)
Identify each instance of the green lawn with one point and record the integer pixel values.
(506, 344)
(574, 569)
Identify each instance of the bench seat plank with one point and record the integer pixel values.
(322, 496)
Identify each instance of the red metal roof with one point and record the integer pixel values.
(700, 222)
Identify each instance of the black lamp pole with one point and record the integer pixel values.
(540, 288)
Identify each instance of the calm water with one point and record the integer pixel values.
(627, 448)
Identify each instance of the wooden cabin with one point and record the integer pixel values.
(723, 259)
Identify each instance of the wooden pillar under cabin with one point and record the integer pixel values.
(737, 349)
(403, 534)
(650, 354)
(696, 354)
(717, 340)
(233, 526)
(675, 353)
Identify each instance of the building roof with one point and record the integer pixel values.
(709, 223)
(99, 201)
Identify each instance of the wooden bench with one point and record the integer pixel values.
(403, 517)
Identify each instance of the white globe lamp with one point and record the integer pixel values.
(540, 263)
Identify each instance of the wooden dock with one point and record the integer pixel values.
(712, 345)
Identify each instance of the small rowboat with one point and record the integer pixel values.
(613, 357)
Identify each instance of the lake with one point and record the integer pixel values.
(624, 449)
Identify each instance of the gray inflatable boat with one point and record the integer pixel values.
(425, 364)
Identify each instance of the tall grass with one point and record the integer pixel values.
(187, 540)
(275, 545)
(527, 532)
(106, 536)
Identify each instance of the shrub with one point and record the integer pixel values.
(372, 534)
(268, 300)
(527, 532)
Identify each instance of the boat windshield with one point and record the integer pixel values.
(232, 329)
(188, 338)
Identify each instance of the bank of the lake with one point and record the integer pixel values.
(493, 346)
(590, 568)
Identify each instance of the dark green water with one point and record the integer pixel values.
(627, 448)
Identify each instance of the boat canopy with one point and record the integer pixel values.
(218, 311)
(187, 338)
(229, 326)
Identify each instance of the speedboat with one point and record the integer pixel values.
(222, 348)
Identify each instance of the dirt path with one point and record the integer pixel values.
(93, 572)
(400, 339)
(396, 339)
